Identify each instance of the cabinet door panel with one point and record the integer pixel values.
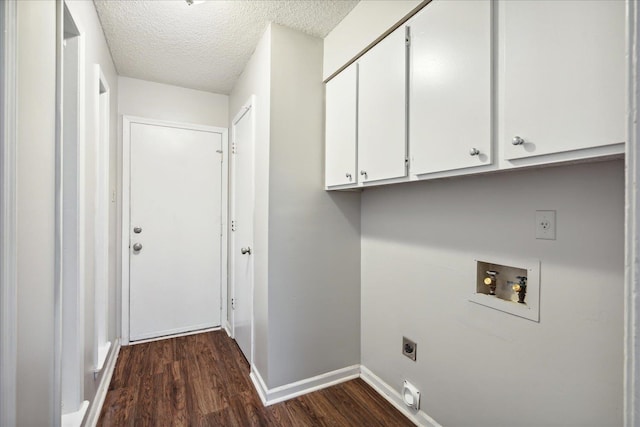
(450, 89)
(563, 75)
(382, 110)
(340, 134)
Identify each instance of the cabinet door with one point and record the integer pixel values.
(382, 146)
(340, 131)
(563, 75)
(450, 91)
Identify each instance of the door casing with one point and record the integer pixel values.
(249, 105)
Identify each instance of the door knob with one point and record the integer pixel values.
(517, 140)
(137, 246)
(245, 251)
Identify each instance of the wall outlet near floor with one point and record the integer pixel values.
(546, 225)
(409, 348)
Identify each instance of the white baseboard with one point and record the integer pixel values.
(74, 419)
(393, 396)
(298, 388)
(107, 372)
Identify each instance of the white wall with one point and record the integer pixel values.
(255, 80)
(172, 103)
(36, 55)
(361, 27)
(481, 367)
(314, 236)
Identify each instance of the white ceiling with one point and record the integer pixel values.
(203, 46)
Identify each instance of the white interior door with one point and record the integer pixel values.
(242, 206)
(175, 230)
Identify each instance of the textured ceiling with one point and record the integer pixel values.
(203, 46)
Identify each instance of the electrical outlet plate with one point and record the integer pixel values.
(409, 348)
(546, 225)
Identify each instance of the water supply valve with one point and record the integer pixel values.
(521, 288)
(491, 281)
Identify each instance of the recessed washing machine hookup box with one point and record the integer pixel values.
(511, 286)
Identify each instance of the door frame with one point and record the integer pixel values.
(102, 120)
(70, 312)
(246, 107)
(8, 216)
(127, 121)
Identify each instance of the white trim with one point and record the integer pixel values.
(224, 230)
(420, 418)
(125, 225)
(170, 333)
(74, 419)
(182, 334)
(8, 263)
(56, 403)
(82, 216)
(632, 227)
(298, 388)
(249, 105)
(101, 202)
(75, 309)
(60, 307)
(227, 328)
(93, 414)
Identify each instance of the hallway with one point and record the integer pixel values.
(203, 380)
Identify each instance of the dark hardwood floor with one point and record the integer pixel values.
(203, 380)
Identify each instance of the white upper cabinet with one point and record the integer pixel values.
(562, 75)
(340, 131)
(451, 86)
(382, 103)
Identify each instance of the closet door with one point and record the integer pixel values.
(450, 124)
(340, 131)
(564, 75)
(382, 103)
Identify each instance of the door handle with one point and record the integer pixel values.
(245, 251)
(137, 246)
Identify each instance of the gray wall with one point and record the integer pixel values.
(307, 244)
(481, 367)
(35, 210)
(314, 236)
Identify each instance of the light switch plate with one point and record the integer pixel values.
(546, 225)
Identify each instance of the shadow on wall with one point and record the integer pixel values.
(495, 213)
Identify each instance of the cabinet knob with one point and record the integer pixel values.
(474, 152)
(363, 173)
(348, 175)
(517, 140)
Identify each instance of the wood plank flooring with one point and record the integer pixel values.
(203, 380)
